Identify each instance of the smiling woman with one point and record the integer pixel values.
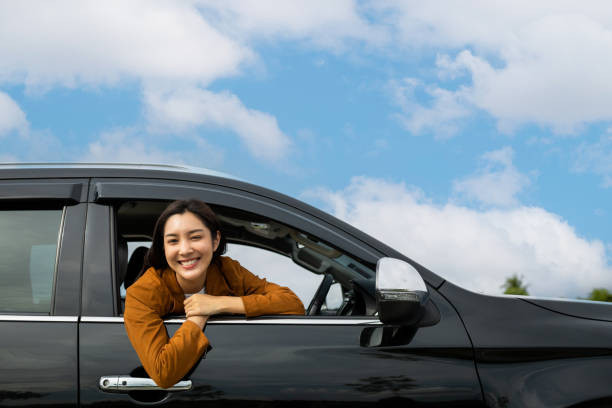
(186, 274)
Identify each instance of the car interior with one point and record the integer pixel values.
(135, 221)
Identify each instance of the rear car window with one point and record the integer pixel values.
(28, 253)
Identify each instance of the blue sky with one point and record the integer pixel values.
(476, 138)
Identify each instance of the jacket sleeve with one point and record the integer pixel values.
(262, 297)
(166, 360)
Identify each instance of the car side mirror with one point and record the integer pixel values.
(401, 293)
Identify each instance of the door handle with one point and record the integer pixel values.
(125, 383)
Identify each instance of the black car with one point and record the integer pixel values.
(380, 329)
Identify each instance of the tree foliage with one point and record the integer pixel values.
(514, 286)
(600, 294)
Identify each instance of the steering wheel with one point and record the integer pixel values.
(319, 297)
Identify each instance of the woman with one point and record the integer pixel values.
(187, 275)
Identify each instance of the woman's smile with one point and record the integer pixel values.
(189, 263)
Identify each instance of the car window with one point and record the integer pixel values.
(327, 280)
(28, 252)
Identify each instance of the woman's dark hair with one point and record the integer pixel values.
(156, 257)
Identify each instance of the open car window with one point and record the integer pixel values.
(328, 281)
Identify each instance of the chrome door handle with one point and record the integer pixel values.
(125, 383)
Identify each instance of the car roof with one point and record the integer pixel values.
(16, 171)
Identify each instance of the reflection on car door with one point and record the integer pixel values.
(320, 360)
(273, 360)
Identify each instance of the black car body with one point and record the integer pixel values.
(64, 259)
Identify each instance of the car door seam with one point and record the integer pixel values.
(467, 332)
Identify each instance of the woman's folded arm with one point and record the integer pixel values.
(166, 360)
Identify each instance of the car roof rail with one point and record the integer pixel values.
(118, 165)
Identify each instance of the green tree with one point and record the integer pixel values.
(514, 286)
(600, 294)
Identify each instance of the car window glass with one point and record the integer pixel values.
(28, 251)
(278, 269)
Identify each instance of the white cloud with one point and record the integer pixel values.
(545, 62)
(186, 108)
(442, 118)
(597, 158)
(324, 24)
(71, 43)
(497, 183)
(11, 116)
(128, 146)
(476, 249)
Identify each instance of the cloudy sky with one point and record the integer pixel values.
(475, 137)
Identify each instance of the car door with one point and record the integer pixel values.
(42, 224)
(324, 360)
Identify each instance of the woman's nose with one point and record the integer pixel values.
(184, 246)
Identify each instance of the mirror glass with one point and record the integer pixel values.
(395, 274)
(401, 293)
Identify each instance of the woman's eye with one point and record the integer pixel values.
(196, 237)
(172, 241)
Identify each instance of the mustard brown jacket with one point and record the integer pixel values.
(157, 294)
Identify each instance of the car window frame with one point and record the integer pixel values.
(105, 193)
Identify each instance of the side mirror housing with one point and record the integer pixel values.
(401, 293)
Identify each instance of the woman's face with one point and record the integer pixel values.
(189, 248)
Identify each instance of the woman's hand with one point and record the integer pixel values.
(208, 305)
(202, 305)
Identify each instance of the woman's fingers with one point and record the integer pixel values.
(200, 304)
